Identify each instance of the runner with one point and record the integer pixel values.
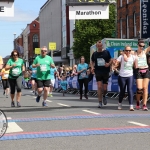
(52, 80)
(5, 82)
(102, 60)
(33, 72)
(43, 64)
(125, 77)
(16, 67)
(83, 77)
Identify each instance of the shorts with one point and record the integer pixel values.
(102, 77)
(52, 82)
(33, 79)
(42, 83)
(138, 75)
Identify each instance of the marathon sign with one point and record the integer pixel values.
(7, 8)
(89, 12)
(145, 18)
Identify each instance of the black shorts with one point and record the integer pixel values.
(34, 79)
(43, 83)
(138, 75)
(102, 77)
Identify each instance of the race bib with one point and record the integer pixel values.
(83, 74)
(128, 65)
(6, 76)
(100, 62)
(142, 62)
(15, 71)
(34, 71)
(43, 67)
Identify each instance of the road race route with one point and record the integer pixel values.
(70, 133)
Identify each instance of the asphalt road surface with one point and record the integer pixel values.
(71, 124)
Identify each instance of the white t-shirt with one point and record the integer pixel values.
(126, 69)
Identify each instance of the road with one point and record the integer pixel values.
(71, 124)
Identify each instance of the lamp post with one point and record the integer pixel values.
(14, 40)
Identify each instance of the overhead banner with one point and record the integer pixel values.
(89, 12)
(7, 9)
(145, 18)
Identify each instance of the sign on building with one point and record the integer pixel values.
(52, 46)
(37, 51)
(7, 8)
(88, 9)
(145, 18)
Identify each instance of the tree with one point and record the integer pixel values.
(88, 32)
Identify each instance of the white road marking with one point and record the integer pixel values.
(8, 118)
(48, 101)
(137, 123)
(95, 113)
(63, 105)
(13, 127)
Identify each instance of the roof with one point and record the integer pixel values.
(44, 4)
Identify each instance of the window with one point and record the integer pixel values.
(35, 38)
(134, 24)
(63, 2)
(127, 27)
(64, 38)
(120, 3)
(121, 28)
(64, 21)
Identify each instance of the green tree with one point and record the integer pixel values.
(87, 32)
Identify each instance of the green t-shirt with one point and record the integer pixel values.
(17, 70)
(43, 71)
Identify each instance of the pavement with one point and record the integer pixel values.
(72, 124)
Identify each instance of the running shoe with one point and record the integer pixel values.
(137, 107)
(6, 96)
(18, 104)
(50, 95)
(131, 108)
(4, 93)
(104, 100)
(44, 104)
(145, 108)
(38, 98)
(119, 106)
(12, 104)
(86, 97)
(100, 105)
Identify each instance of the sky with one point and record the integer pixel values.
(25, 11)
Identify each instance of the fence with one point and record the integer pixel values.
(113, 88)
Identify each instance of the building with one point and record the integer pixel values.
(31, 40)
(128, 19)
(54, 27)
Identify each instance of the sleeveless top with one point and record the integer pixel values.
(142, 61)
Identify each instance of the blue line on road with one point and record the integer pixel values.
(70, 133)
(79, 117)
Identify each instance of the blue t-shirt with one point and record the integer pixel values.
(83, 74)
(63, 84)
(34, 71)
(52, 72)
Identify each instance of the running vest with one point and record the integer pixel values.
(142, 61)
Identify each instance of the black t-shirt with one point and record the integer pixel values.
(100, 58)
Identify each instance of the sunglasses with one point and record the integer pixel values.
(127, 50)
(15, 55)
(43, 50)
(141, 45)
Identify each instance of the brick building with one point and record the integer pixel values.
(128, 19)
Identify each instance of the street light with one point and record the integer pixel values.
(14, 40)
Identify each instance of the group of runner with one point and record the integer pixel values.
(132, 64)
